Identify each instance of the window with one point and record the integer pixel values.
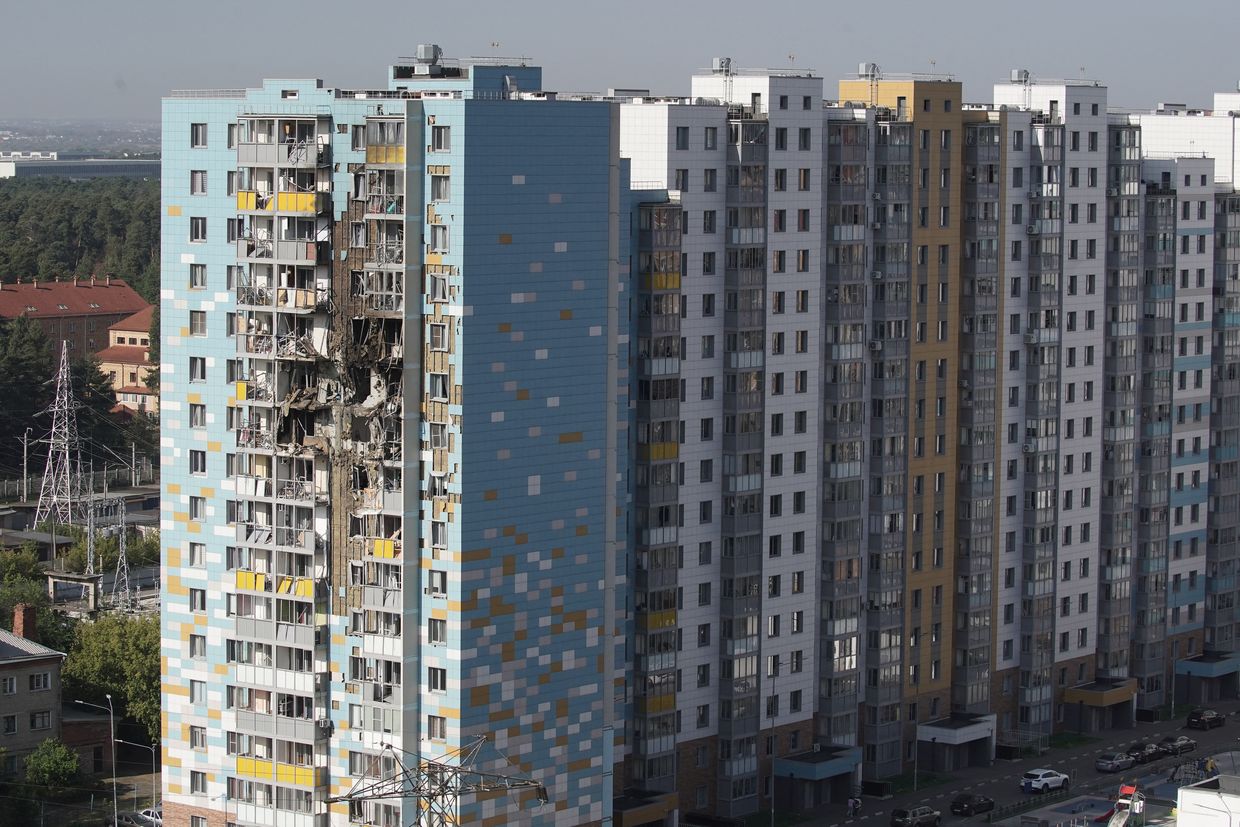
(198, 692)
(804, 138)
(198, 182)
(703, 594)
(436, 727)
(198, 738)
(710, 138)
(438, 581)
(682, 137)
(197, 323)
(10, 725)
(197, 508)
(441, 138)
(197, 135)
(439, 238)
(708, 221)
(439, 386)
(441, 187)
(803, 180)
(437, 679)
(197, 277)
(198, 600)
(198, 462)
(197, 782)
(198, 647)
(197, 229)
(439, 337)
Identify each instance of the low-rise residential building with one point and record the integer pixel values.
(126, 360)
(78, 312)
(29, 692)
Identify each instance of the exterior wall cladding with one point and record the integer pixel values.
(913, 434)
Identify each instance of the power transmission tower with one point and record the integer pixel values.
(59, 498)
(122, 594)
(436, 785)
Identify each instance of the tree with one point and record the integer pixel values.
(27, 367)
(151, 379)
(52, 764)
(117, 655)
(20, 564)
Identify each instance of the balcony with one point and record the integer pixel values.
(384, 205)
(292, 203)
(385, 253)
(304, 154)
(379, 155)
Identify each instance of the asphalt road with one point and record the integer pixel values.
(1002, 780)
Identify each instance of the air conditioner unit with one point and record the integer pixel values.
(1031, 229)
(964, 384)
(324, 723)
(876, 225)
(877, 275)
(1030, 448)
(833, 295)
(878, 196)
(1035, 194)
(817, 748)
(876, 345)
(1031, 338)
(1113, 191)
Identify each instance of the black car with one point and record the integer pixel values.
(1144, 753)
(967, 804)
(1177, 744)
(1204, 719)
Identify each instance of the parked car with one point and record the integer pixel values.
(1143, 753)
(967, 804)
(1204, 719)
(1177, 744)
(154, 814)
(1039, 781)
(1114, 762)
(916, 817)
(133, 820)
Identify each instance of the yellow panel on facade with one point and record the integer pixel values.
(193, 398)
(174, 210)
(214, 447)
(242, 392)
(246, 200)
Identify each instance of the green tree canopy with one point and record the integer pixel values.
(52, 764)
(117, 655)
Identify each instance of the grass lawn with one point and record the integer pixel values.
(1071, 740)
(925, 780)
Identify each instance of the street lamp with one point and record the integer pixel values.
(112, 730)
(154, 768)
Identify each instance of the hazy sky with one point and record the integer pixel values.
(116, 58)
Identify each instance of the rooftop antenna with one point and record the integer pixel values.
(792, 59)
(59, 495)
(495, 46)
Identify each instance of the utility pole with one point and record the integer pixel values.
(25, 467)
(133, 463)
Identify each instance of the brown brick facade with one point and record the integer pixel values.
(179, 815)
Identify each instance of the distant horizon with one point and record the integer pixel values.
(117, 61)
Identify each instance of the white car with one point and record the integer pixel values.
(1039, 781)
(155, 815)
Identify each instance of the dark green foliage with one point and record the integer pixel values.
(51, 227)
(52, 764)
(117, 655)
(28, 387)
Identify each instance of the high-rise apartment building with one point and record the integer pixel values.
(695, 451)
(366, 562)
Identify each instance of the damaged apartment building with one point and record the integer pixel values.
(698, 453)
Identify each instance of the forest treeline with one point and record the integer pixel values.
(57, 228)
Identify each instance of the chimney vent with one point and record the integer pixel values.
(24, 622)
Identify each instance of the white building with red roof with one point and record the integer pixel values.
(126, 360)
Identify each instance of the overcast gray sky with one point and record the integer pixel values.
(116, 58)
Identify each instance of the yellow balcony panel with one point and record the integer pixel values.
(249, 200)
(649, 621)
(656, 704)
(303, 202)
(253, 768)
(241, 392)
(658, 451)
(385, 155)
(298, 586)
(386, 549)
(252, 581)
(293, 774)
(661, 281)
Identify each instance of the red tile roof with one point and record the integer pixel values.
(124, 354)
(52, 299)
(139, 322)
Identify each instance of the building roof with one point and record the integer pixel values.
(52, 299)
(15, 648)
(125, 354)
(139, 322)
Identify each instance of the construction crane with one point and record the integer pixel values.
(437, 784)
